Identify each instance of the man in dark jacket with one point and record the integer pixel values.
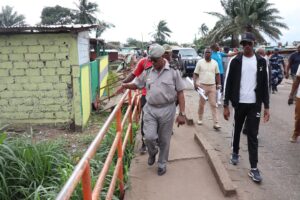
(246, 86)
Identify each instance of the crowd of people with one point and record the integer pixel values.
(244, 79)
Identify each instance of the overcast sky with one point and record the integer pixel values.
(137, 19)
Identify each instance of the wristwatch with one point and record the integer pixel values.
(181, 114)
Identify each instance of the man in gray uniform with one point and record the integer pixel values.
(164, 86)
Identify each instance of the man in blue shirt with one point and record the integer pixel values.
(217, 56)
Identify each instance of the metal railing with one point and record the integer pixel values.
(82, 169)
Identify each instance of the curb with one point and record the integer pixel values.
(216, 165)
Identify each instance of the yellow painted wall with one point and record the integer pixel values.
(85, 94)
(35, 78)
(103, 69)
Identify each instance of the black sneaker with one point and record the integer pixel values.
(161, 171)
(234, 159)
(255, 175)
(151, 159)
(143, 149)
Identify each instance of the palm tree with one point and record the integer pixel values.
(86, 12)
(242, 14)
(203, 29)
(102, 27)
(161, 32)
(10, 18)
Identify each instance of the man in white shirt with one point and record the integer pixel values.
(246, 87)
(207, 71)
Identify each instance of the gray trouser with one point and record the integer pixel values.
(158, 127)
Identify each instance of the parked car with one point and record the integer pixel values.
(189, 59)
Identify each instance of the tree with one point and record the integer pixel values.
(86, 12)
(102, 27)
(161, 32)
(58, 15)
(203, 29)
(86, 15)
(10, 18)
(242, 14)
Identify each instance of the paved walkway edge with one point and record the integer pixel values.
(216, 165)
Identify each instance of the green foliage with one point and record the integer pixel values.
(241, 14)
(162, 32)
(111, 81)
(131, 42)
(84, 14)
(57, 15)
(10, 18)
(30, 170)
(39, 170)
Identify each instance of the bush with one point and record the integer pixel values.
(31, 170)
(39, 170)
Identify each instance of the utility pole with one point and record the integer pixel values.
(142, 42)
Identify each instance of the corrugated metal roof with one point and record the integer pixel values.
(48, 28)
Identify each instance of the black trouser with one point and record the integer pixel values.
(252, 113)
(143, 102)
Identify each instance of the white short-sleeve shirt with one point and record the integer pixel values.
(207, 71)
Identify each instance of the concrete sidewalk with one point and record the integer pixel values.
(189, 173)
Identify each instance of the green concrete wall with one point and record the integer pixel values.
(36, 82)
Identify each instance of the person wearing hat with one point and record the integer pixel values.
(277, 69)
(164, 86)
(246, 87)
(168, 55)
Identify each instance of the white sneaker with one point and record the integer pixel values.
(217, 126)
(219, 103)
(199, 122)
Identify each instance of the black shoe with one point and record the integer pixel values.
(255, 175)
(234, 159)
(161, 171)
(151, 159)
(143, 149)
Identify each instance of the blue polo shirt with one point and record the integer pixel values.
(217, 56)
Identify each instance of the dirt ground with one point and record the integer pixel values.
(76, 142)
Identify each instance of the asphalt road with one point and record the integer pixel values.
(279, 160)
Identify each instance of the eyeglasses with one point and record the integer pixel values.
(246, 43)
(207, 52)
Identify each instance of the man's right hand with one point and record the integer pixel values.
(226, 113)
(121, 89)
(290, 101)
(196, 86)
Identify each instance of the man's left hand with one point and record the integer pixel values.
(266, 115)
(180, 120)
